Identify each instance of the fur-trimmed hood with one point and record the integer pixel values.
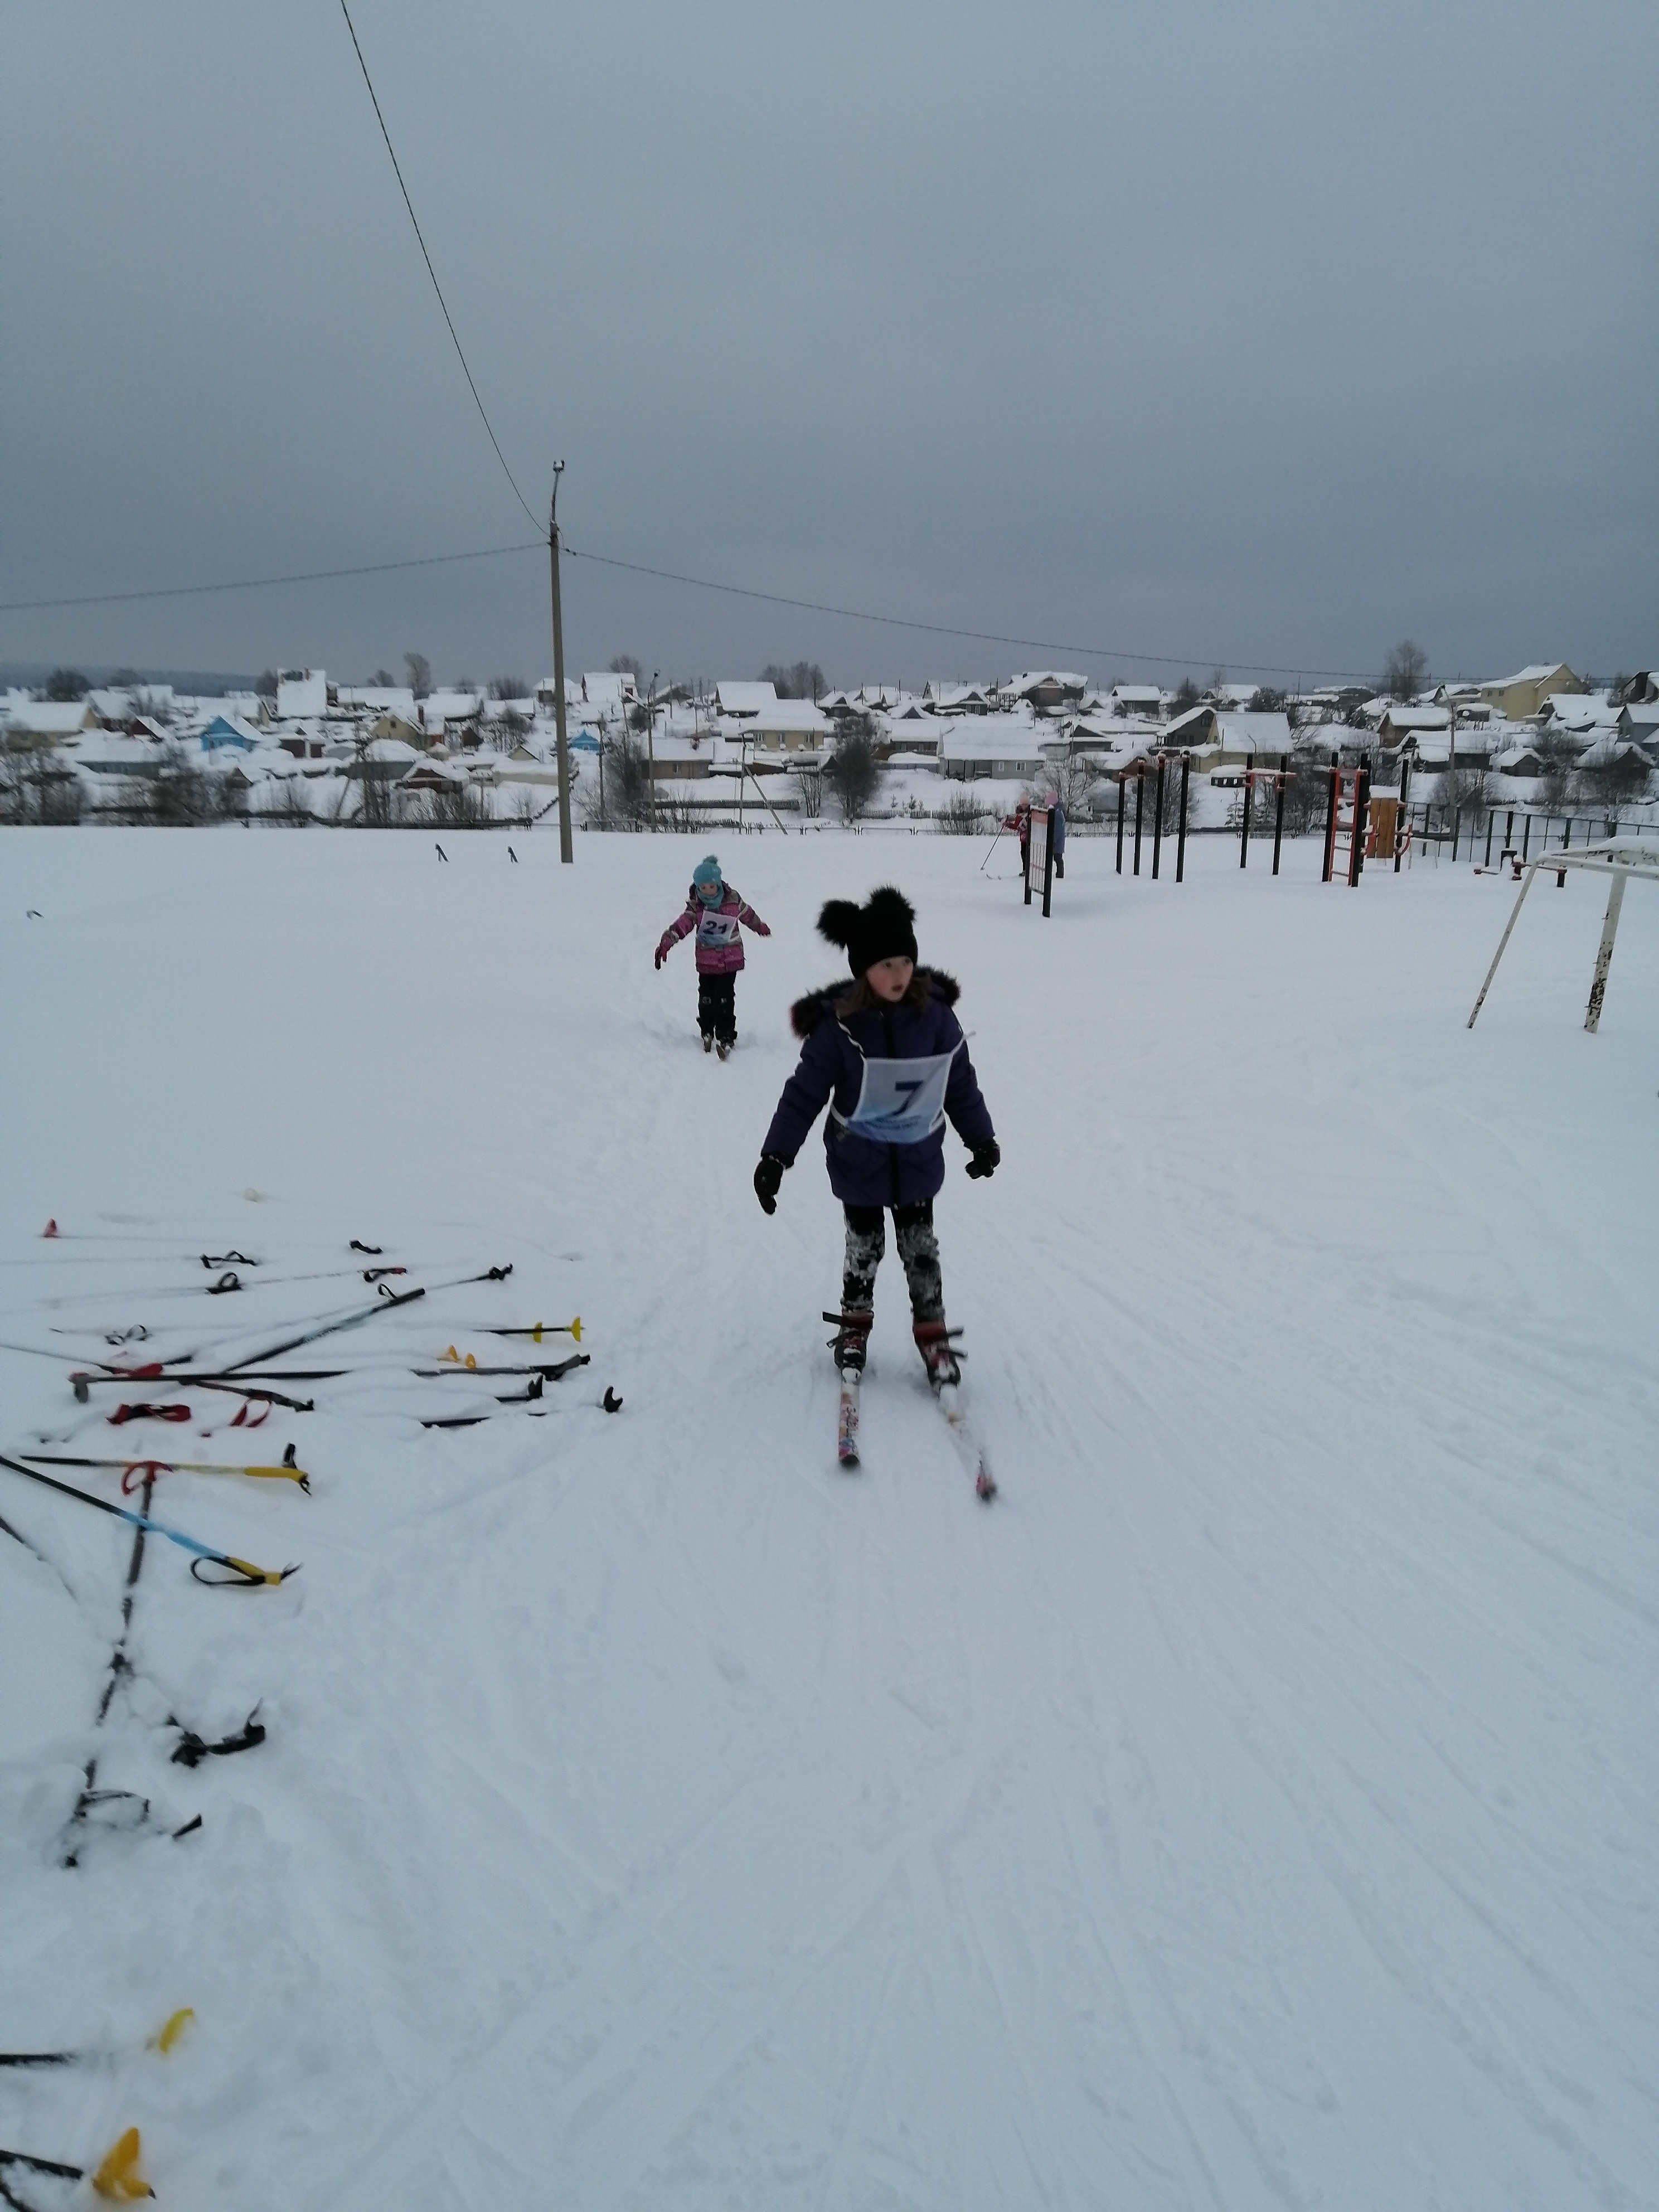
(807, 1012)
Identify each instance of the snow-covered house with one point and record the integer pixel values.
(1610, 750)
(1142, 701)
(1001, 746)
(1399, 725)
(445, 716)
(790, 725)
(613, 690)
(1520, 696)
(1587, 714)
(941, 698)
(1521, 761)
(228, 730)
(1243, 736)
(547, 696)
(374, 699)
(48, 721)
(1197, 731)
(742, 702)
(1046, 690)
(300, 692)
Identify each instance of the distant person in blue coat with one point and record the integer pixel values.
(886, 1054)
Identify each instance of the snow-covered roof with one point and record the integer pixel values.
(1033, 679)
(1258, 732)
(744, 700)
(987, 738)
(378, 699)
(608, 687)
(1534, 674)
(794, 716)
(451, 706)
(1581, 710)
(1607, 751)
(301, 691)
(1417, 717)
(50, 717)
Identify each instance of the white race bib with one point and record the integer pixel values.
(901, 1100)
(716, 929)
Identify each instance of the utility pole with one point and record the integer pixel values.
(565, 850)
(651, 740)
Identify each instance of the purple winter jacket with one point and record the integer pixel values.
(890, 1075)
(719, 941)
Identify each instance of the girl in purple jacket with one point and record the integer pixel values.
(888, 1057)
(714, 909)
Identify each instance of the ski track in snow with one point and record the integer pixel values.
(1255, 1806)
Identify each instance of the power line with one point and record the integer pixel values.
(431, 271)
(265, 583)
(946, 629)
(696, 583)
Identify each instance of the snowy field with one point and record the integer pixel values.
(1255, 1808)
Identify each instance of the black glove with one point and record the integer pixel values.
(767, 1176)
(987, 1159)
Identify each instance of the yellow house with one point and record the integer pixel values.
(1519, 697)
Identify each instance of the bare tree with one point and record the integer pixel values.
(508, 687)
(1406, 669)
(797, 679)
(963, 815)
(628, 664)
(809, 787)
(419, 674)
(66, 685)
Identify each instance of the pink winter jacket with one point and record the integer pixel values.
(720, 945)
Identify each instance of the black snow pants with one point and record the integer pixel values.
(918, 1248)
(717, 1007)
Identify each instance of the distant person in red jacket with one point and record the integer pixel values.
(719, 916)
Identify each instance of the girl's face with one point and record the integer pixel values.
(711, 894)
(890, 979)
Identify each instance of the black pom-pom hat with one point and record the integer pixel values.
(883, 928)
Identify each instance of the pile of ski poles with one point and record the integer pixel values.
(147, 1385)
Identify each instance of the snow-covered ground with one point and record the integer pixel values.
(1256, 1807)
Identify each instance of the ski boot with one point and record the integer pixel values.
(938, 1354)
(848, 1345)
(709, 1040)
(724, 1045)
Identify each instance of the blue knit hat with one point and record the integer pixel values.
(706, 874)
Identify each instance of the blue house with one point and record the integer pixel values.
(221, 731)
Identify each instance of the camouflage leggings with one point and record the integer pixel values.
(918, 1250)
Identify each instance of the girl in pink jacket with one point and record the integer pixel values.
(715, 910)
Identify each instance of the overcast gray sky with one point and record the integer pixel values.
(1235, 332)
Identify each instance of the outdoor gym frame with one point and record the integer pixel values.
(1615, 857)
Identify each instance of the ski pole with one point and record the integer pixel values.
(117, 2175)
(288, 1472)
(570, 1328)
(163, 2040)
(388, 1299)
(241, 1570)
(470, 1366)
